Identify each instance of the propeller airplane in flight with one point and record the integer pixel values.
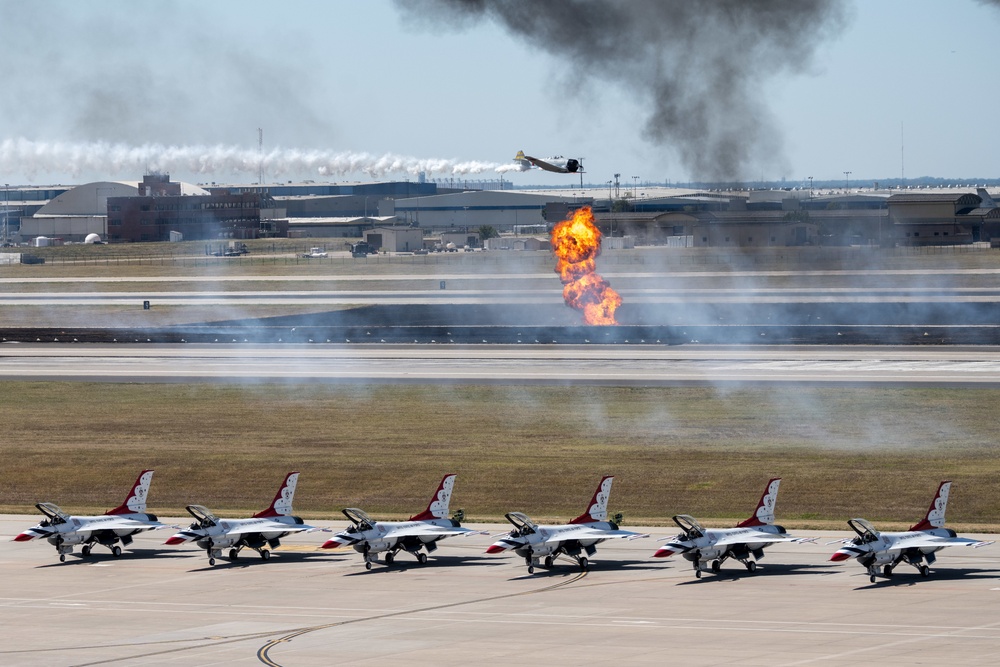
(557, 164)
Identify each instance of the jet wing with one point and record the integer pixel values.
(122, 524)
(268, 527)
(588, 533)
(757, 537)
(431, 530)
(932, 541)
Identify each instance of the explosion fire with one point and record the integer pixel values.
(576, 242)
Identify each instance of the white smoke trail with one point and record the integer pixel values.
(35, 157)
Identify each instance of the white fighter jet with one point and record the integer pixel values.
(117, 525)
(745, 542)
(557, 164)
(915, 547)
(421, 531)
(577, 540)
(265, 529)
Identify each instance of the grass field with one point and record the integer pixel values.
(877, 453)
(874, 452)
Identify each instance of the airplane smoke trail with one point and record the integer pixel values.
(697, 67)
(34, 157)
(576, 242)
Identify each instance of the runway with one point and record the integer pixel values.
(161, 605)
(637, 365)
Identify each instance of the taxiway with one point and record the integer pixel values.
(159, 605)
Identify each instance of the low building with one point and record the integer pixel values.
(467, 211)
(395, 239)
(338, 227)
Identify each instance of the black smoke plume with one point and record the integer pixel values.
(697, 66)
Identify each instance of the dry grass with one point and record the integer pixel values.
(842, 452)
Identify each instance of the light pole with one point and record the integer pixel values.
(635, 187)
(810, 187)
(847, 180)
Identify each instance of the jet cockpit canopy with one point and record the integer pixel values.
(360, 519)
(692, 529)
(522, 524)
(203, 516)
(53, 512)
(866, 532)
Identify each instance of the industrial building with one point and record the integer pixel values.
(83, 210)
(160, 212)
(503, 210)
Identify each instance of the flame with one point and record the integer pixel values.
(576, 242)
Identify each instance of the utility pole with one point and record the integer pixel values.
(847, 180)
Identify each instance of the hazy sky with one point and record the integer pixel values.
(843, 89)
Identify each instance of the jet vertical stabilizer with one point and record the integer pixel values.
(282, 503)
(935, 513)
(598, 508)
(437, 508)
(135, 501)
(764, 514)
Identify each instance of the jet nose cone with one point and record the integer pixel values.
(664, 552)
(496, 549)
(23, 537)
(176, 539)
(840, 556)
(332, 543)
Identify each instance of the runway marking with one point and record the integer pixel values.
(262, 653)
(919, 637)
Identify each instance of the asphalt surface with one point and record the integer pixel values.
(499, 364)
(160, 605)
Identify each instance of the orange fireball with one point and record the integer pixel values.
(576, 243)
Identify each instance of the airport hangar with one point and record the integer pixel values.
(671, 216)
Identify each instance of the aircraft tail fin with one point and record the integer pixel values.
(988, 201)
(135, 501)
(437, 508)
(597, 510)
(935, 513)
(282, 503)
(523, 163)
(764, 514)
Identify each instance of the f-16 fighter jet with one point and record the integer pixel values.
(915, 547)
(745, 543)
(577, 540)
(117, 525)
(421, 531)
(265, 529)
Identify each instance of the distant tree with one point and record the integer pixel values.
(487, 232)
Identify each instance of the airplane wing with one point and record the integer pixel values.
(587, 533)
(758, 537)
(430, 530)
(932, 541)
(123, 524)
(269, 527)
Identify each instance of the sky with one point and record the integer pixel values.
(654, 90)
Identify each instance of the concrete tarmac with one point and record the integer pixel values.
(159, 605)
(638, 365)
